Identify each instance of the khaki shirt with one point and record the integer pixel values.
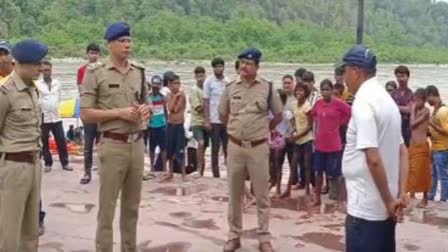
(247, 109)
(104, 87)
(20, 116)
(197, 100)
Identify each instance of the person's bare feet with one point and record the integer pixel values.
(324, 190)
(308, 192)
(166, 177)
(276, 195)
(285, 195)
(315, 202)
(298, 187)
(423, 203)
(249, 202)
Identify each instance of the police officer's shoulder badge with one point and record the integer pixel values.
(231, 83)
(7, 86)
(137, 65)
(93, 66)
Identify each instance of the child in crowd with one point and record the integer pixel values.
(277, 141)
(419, 178)
(329, 114)
(176, 132)
(303, 136)
(157, 126)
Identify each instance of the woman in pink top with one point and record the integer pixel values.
(329, 114)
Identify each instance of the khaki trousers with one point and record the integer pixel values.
(19, 205)
(121, 169)
(254, 162)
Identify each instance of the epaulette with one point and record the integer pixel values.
(230, 83)
(265, 80)
(7, 86)
(137, 65)
(95, 65)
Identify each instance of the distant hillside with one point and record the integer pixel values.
(286, 30)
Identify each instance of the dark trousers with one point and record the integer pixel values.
(91, 135)
(41, 213)
(218, 137)
(369, 236)
(288, 151)
(58, 133)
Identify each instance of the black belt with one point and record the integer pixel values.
(22, 157)
(123, 137)
(242, 143)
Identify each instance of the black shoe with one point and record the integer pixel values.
(86, 179)
(67, 168)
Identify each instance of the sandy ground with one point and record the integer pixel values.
(196, 221)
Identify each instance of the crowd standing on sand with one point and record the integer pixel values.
(367, 145)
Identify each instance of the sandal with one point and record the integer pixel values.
(86, 179)
(149, 176)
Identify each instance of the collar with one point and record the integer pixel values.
(20, 84)
(240, 81)
(111, 65)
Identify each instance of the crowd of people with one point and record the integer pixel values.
(352, 138)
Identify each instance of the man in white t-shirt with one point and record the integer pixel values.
(375, 163)
(49, 100)
(214, 86)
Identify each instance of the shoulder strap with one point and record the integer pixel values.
(142, 91)
(269, 94)
(94, 66)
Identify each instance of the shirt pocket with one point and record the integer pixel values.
(236, 105)
(113, 95)
(258, 104)
(22, 113)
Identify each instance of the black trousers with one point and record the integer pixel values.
(41, 214)
(90, 136)
(58, 133)
(218, 137)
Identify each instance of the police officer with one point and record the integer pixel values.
(114, 95)
(20, 168)
(244, 106)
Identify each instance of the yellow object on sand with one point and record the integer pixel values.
(67, 108)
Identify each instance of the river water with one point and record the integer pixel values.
(421, 75)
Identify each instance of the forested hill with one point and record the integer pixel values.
(286, 30)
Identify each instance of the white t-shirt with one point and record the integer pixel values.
(375, 123)
(49, 100)
(213, 89)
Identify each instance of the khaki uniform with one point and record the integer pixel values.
(121, 163)
(247, 108)
(20, 121)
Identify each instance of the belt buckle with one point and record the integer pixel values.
(32, 155)
(132, 138)
(246, 144)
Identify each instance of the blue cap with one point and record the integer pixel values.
(360, 56)
(250, 54)
(5, 46)
(29, 51)
(116, 31)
